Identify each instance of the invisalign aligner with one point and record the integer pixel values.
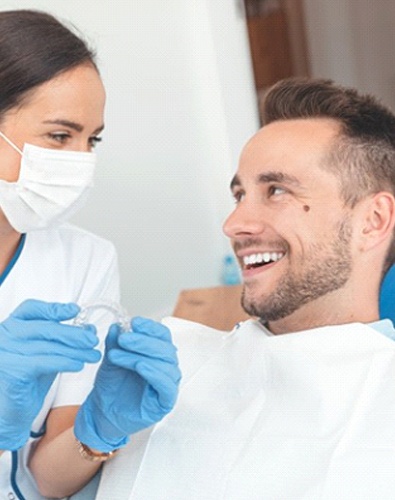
(120, 314)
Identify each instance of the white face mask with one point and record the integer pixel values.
(52, 186)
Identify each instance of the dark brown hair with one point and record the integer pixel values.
(363, 155)
(35, 47)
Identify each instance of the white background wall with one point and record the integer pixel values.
(181, 103)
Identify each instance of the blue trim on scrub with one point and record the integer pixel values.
(14, 470)
(40, 433)
(14, 454)
(15, 257)
(14, 463)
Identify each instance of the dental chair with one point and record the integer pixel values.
(387, 296)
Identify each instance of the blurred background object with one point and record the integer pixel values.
(277, 39)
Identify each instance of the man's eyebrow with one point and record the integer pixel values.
(277, 177)
(267, 177)
(73, 125)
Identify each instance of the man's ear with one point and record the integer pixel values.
(378, 220)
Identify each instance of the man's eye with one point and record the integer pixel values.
(238, 196)
(276, 190)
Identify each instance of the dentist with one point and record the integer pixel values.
(51, 114)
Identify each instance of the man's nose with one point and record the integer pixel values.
(244, 220)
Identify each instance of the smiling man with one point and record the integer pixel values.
(291, 229)
(315, 192)
(300, 402)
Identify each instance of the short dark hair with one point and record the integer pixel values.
(363, 155)
(34, 48)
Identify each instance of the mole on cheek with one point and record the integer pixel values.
(306, 208)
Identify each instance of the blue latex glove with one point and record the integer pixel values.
(34, 348)
(135, 387)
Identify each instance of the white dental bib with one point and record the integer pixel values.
(308, 415)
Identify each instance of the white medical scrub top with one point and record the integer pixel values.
(66, 264)
(302, 416)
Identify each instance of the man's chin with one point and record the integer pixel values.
(250, 303)
(266, 307)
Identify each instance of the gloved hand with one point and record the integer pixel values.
(135, 387)
(34, 348)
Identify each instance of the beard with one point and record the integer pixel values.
(327, 267)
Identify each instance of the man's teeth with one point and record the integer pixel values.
(262, 258)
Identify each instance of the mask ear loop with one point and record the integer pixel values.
(120, 314)
(8, 141)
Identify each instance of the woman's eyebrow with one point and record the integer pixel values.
(70, 124)
(65, 123)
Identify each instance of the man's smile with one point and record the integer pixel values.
(260, 259)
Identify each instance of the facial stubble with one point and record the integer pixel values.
(325, 268)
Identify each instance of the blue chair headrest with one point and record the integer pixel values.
(387, 296)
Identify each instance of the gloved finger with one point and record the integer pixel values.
(162, 377)
(49, 348)
(164, 385)
(151, 347)
(150, 327)
(73, 336)
(114, 332)
(40, 365)
(38, 309)
(131, 361)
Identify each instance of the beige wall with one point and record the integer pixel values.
(353, 42)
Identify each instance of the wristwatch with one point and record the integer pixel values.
(94, 456)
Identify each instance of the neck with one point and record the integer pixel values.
(337, 308)
(9, 239)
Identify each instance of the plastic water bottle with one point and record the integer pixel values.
(230, 271)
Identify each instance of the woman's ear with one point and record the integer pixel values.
(378, 220)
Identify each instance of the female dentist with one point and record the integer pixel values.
(51, 114)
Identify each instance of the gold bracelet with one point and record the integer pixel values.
(94, 456)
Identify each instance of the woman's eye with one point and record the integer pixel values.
(59, 137)
(94, 140)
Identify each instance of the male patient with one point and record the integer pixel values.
(299, 404)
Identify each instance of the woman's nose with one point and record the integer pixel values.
(81, 144)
